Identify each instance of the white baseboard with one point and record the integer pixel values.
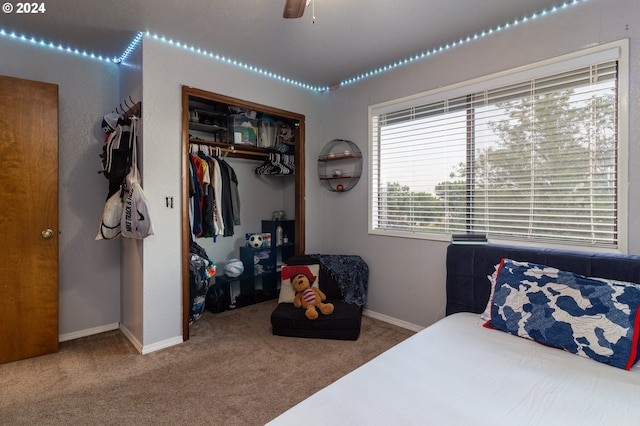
(392, 320)
(129, 335)
(178, 340)
(134, 341)
(147, 349)
(88, 332)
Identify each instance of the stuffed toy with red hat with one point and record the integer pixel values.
(307, 297)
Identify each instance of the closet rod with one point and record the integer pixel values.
(233, 150)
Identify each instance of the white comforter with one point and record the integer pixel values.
(458, 373)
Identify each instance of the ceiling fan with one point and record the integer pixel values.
(295, 8)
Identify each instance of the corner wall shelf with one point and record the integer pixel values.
(339, 165)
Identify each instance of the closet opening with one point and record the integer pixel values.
(264, 147)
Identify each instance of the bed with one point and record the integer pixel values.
(459, 372)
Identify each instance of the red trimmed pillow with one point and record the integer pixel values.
(588, 317)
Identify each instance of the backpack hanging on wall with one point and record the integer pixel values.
(116, 155)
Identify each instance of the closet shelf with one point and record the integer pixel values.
(206, 112)
(211, 128)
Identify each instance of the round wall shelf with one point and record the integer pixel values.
(339, 165)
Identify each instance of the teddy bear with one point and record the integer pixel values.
(307, 297)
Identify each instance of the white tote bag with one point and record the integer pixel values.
(136, 219)
(111, 218)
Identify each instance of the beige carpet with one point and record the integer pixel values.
(232, 371)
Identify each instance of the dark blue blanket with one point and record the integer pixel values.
(350, 272)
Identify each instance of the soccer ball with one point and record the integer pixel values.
(234, 268)
(255, 241)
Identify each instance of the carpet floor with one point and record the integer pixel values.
(232, 371)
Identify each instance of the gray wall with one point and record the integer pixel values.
(89, 269)
(407, 276)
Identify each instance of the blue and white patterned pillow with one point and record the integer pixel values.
(585, 316)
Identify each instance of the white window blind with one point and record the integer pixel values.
(535, 159)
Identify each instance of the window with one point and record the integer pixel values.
(529, 155)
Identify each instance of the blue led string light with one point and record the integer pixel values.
(131, 47)
(230, 61)
(460, 42)
(56, 47)
(236, 63)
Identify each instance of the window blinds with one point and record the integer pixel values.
(533, 159)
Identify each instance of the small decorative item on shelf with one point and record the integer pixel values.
(279, 235)
(278, 215)
(340, 165)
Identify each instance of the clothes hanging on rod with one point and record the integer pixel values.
(195, 213)
(227, 204)
(215, 200)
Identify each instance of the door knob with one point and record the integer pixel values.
(47, 233)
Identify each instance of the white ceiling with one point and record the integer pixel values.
(347, 38)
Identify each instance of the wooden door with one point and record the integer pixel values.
(28, 218)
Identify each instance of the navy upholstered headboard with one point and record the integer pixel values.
(468, 266)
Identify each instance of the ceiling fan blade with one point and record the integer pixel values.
(294, 8)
